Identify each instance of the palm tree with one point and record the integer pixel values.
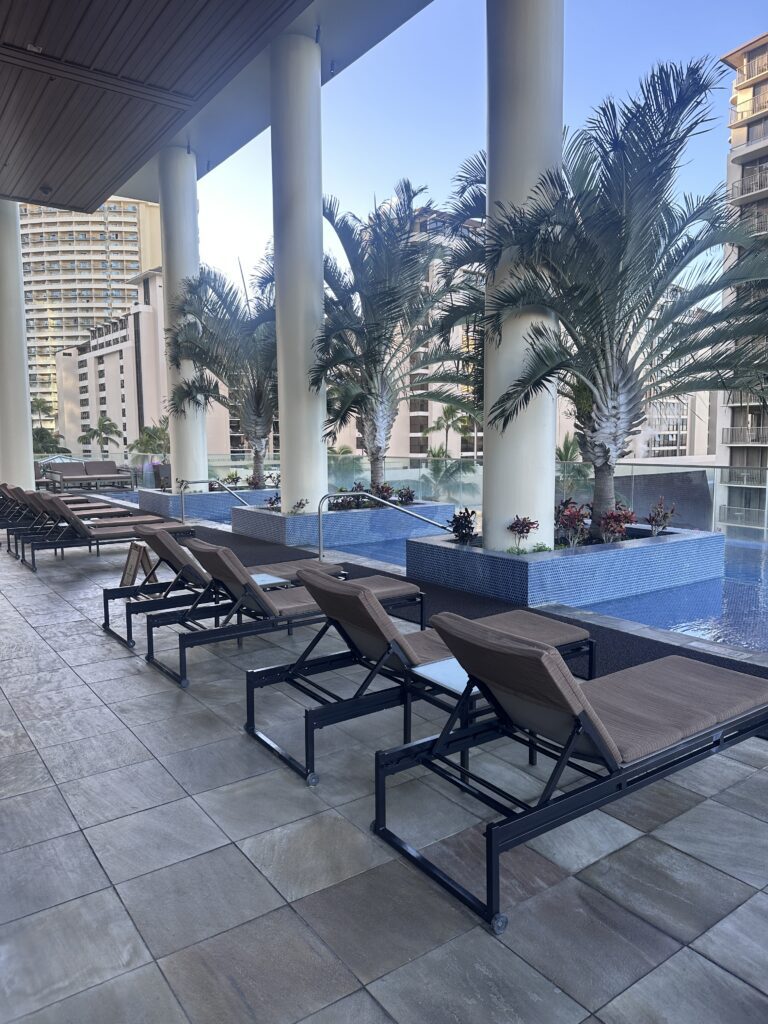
(47, 442)
(451, 418)
(105, 433)
(444, 477)
(153, 440)
(377, 318)
(229, 336)
(604, 245)
(40, 407)
(572, 470)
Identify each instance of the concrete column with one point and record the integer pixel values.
(15, 417)
(525, 123)
(181, 258)
(298, 240)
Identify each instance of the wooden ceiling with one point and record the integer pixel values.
(91, 89)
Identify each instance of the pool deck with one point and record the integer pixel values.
(157, 866)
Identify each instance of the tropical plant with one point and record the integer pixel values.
(378, 318)
(622, 266)
(47, 442)
(462, 524)
(571, 522)
(229, 336)
(40, 407)
(105, 433)
(613, 523)
(521, 528)
(572, 470)
(451, 418)
(446, 477)
(153, 440)
(660, 517)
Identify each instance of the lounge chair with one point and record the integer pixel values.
(88, 474)
(191, 584)
(414, 662)
(620, 732)
(246, 608)
(69, 530)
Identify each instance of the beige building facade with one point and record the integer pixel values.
(77, 271)
(119, 372)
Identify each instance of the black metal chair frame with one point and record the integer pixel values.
(198, 635)
(333, 709)
(520, 820)
(68, 537)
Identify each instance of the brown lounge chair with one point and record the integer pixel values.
(418, 663)
(245, 608)
(191, 583)
(68, 530)
(620, 732)
(35, 515)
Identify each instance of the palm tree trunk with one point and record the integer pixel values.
(377, 468)
(604, 495)
(259, 452)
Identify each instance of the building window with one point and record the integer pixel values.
(419, 446)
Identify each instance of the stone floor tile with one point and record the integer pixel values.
(32, 818)
(347, 775)
(713, 775)
(473, 979)
(40, 682)
(112, 794)
(94, 754)
(382, 919)
(154, 706)
(581, 842)
(58, 952)
(651, 806)
(749, 796)
(524, 873)
(112, 691)
(187, 902)
(140, 997)
(192, 729)
(673, 891)
(89, 653)
(152, 839)
(73, 725)
(687, 989)
(725, 838)
(113, 668)
(40, 659)
(753, 751)
(222, 978)
(30, 706)
(359, 1008)
(260, 803)
(339, 850)
(14, 738)
(417, 813)
(40, 876)
(218, 763)
(739, 942)
(586, 944)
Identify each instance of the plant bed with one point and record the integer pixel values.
(574, 576)
(354, 526)
(212, 505)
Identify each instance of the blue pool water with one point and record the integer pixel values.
(392, 551)
(729, 611)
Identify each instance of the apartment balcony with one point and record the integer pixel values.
(745, 435)
(750, 187)
(742, 113)
(744, 476)
(731, 515)
(757, 223)
(733, 398)
(754, 71)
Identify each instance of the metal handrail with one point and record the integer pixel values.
(373, 497)
(184, 484)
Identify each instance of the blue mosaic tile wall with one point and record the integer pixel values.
(214, 505)
(358, 526)
(571, 577)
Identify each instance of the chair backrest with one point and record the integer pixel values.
(528, 680)
(168, 548)
(39, 475)
(100, 468)
(63, 511)
(359, 613)
(226, 568)
(19, 496)
(5, 490)
(69, 468)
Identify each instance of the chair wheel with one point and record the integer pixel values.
(312, 779)
(499, 923)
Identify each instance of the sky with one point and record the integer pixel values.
(415, 106)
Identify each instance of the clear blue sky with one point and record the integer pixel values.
(415, 106)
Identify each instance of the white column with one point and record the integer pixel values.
(181, 258)
(15, 417)
(525, 123)
(298, 238)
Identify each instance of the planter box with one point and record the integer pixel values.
(599, 572)
(212, 505)
(356, 526)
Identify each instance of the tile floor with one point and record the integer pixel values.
(157, 866)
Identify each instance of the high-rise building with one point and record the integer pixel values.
(742, 448)
(77, 273)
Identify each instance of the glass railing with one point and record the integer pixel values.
(732, 515)
(754, 106)
(750, 183)
(752, 69)
(745, 435)
(744, 476)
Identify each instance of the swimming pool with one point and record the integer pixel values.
(728, 611)
(392, 551)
